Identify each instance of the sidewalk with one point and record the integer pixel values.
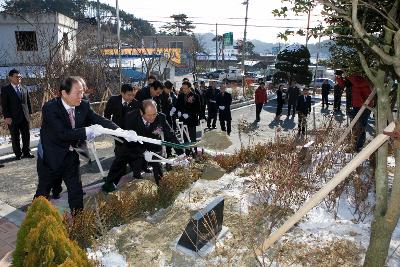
(10, 220)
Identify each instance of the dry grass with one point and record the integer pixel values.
(339, 252)
(257, 154)
(103, 212)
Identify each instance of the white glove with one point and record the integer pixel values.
(131, 136)
(181, 160)
(179, 114)
(173, 109)
(221, 107)
(148, 156)
(185, 116)
(93, 131)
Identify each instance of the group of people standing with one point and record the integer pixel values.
(295, 101)
(187, 106)
(357, 89)
(68, 122)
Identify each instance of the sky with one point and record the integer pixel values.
(223, 12)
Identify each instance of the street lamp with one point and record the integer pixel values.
(246, 3)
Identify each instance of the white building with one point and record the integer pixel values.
(36, 39)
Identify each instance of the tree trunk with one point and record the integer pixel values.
(381, 230)
(379, 243)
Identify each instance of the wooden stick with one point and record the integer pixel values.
(323, 192)
(356, 118)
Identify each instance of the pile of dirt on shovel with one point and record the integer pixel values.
(215, 140)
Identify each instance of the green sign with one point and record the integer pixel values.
(228, 39)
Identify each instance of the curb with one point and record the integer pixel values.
(12, 214)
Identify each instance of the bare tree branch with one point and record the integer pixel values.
(341, 13)
(361, 32)
(387, 17)
(366, 68)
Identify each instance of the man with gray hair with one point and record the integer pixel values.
(145, 122)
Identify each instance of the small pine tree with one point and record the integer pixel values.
(294, 60)
(42, 240)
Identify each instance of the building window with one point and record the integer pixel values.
(26, 41)
(65, 41)
(176, 45)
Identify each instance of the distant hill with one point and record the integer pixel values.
(263, 47)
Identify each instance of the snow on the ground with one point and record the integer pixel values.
(5, 140)
(107, 257)
(319, 226)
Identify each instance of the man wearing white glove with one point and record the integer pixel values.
(145, 122)
(211, 95)
(65, 125)
(189, 105)
(224, 101)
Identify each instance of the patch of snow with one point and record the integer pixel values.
(107, 257)
(391, 161)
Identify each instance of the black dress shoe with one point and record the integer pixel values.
(1, 165)
(28, 156)
(108, 187)
(17, 157)
(56, 196)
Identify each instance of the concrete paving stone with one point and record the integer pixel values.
(5, 248)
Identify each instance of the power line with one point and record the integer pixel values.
(237, 18)
(234, 25)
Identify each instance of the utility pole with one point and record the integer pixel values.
(98, 21)
(216, 46)
(316, 69)
(119, 43)
(222, 51)
(308, 27)
(244, 45)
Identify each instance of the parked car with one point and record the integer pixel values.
(214, 74)
(231, 75)
(319, 82)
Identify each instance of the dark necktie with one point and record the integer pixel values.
(19, 93)
(147, 124)
(125, 104)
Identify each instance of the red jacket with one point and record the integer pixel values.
(360, 90)
(260, 95)
(340, 81)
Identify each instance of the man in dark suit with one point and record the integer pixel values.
(152, 91)
(17, 110)
(293, 95)
(211, 96)
(188, 109)
(145, 122)
(116, 109)
(224, 101)
(168, 103)
(303, 109)
(67, 122)
(117, 106)
(203, 102)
